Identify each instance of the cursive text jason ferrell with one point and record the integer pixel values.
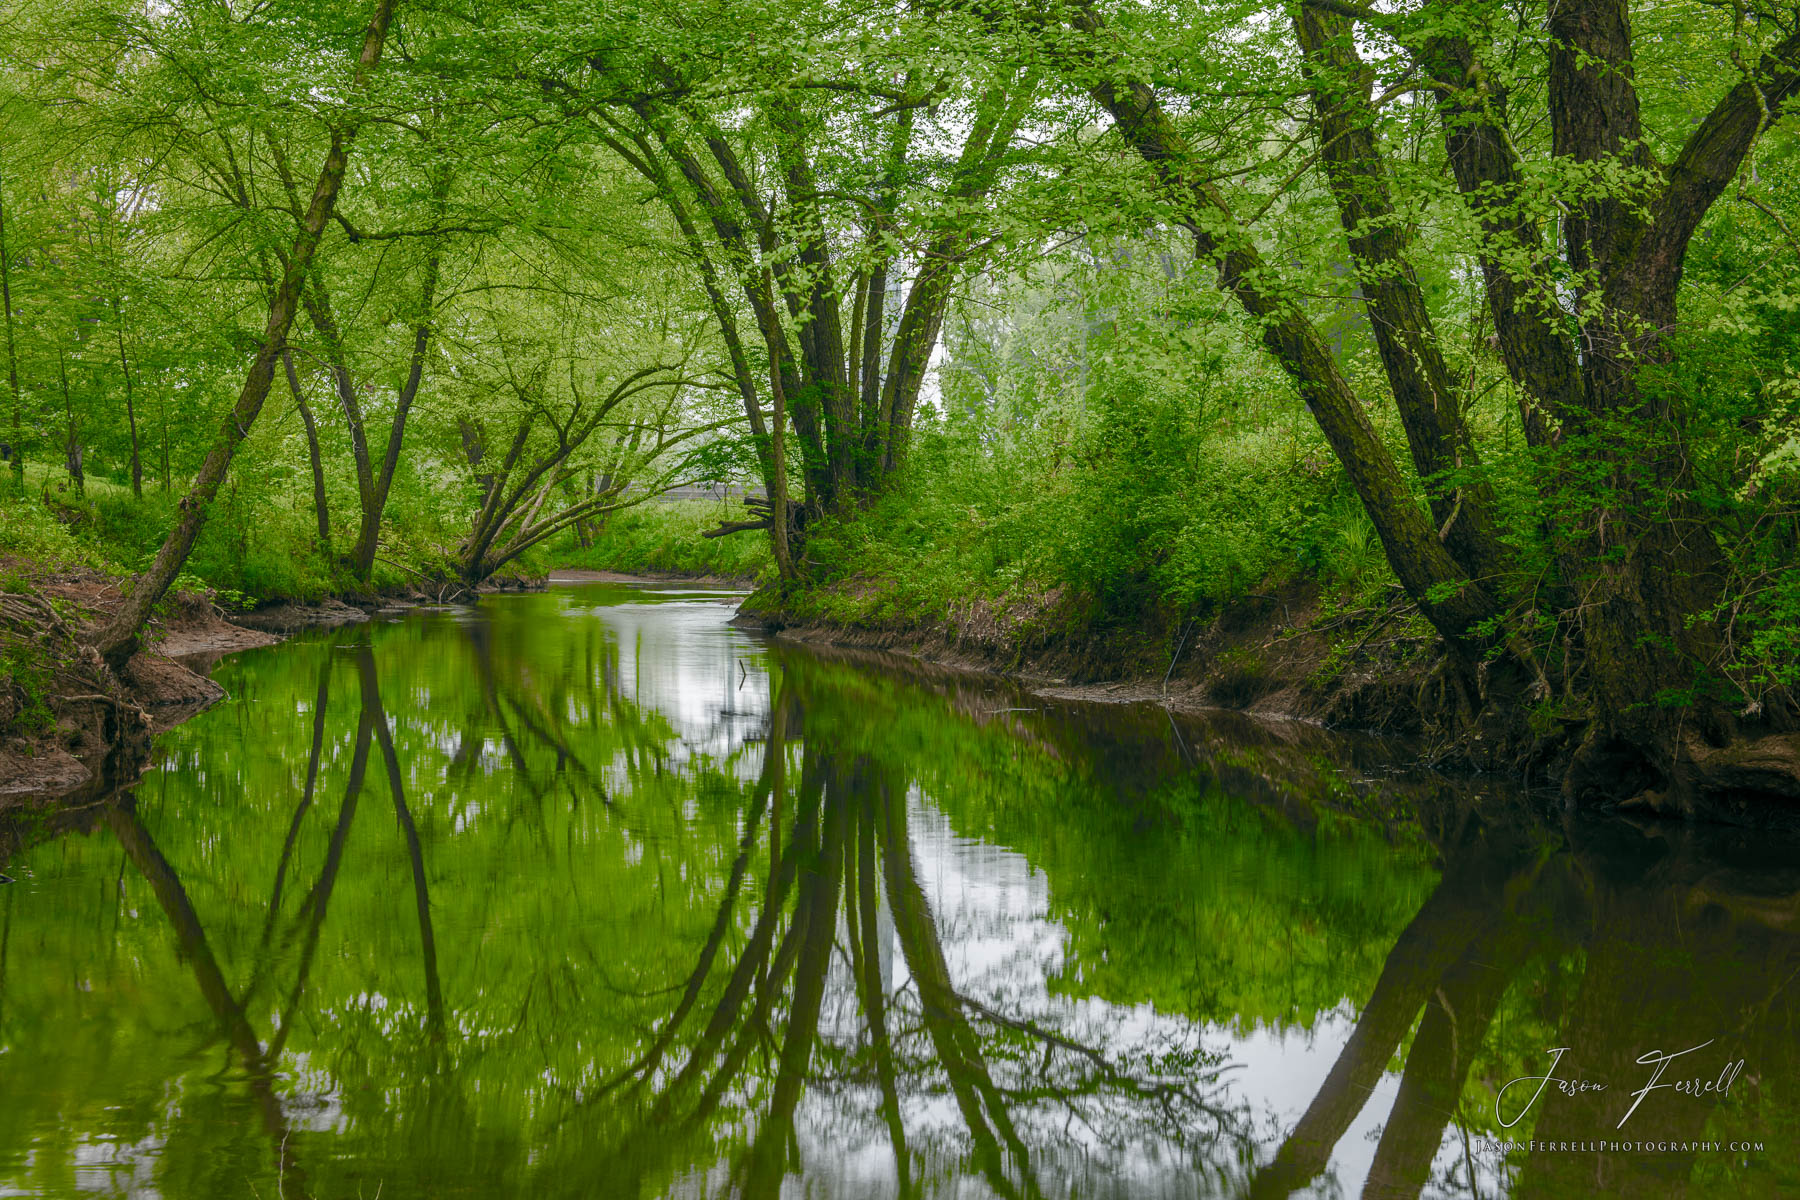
(1657, 1060)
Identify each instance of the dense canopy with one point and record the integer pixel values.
(1142, 305)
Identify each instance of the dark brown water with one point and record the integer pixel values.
(589, 894)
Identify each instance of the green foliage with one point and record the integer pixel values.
(25, 683)
(1105, 441)
(664, 537)
(30, 530)
(1138, 470)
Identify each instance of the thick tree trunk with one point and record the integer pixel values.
(1429, 403)
(117, 640)
(1647, 565)
(1449, 599)
(1634, 545)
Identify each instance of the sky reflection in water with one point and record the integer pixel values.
(589, 894)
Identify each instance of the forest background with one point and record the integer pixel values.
(1477, 318)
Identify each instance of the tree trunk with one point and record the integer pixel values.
(495, 507)
(1646, 563)
(317, 303)
(778, 486)
(368, 538)
(12, 354)
(1634, 544)
(321, 504)
(1527, 318)
(118, 639)
(72, 435)
(1430, 405)
(137, 463)
(1453, 603)
(821, 333)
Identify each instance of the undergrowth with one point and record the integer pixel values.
(665, 537)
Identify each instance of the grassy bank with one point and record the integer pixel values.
(69, 725)
(665, 539)
(260, 544)
(1122, 534)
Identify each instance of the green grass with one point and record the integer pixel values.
(30, 531)
(664, 538)
(1127, 526)
(256, 546)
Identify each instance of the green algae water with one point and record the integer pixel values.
(587, 893)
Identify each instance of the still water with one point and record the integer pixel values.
(589, 894)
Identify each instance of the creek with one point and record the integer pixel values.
(589, 893)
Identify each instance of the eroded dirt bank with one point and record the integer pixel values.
(1284, 654)
(70, 727)
(1276, 655)
(1287, 654)
(71, 724)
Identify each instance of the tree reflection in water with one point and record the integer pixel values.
(661, 911)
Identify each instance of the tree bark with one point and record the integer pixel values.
(821, 334)
(1648, 564)
(1429, 403)
(118, 639)
(72, 431)
(1453, 603)
(321, 503)
(1537, 350)
(12, 353)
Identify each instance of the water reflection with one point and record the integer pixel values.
(587, 894)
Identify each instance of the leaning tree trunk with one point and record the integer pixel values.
(321, 504)
(118, 639)
(1429, 403)
(1449, 599)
